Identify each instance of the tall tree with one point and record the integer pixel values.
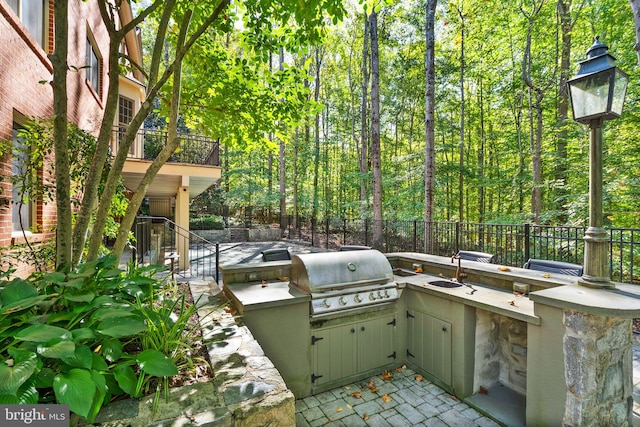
(430, 78)
(364, 139)
(376, 164)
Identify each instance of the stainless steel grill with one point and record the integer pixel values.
(341, 282)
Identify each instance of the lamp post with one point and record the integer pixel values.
(597, 94)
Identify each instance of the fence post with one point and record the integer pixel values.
(313, 230)
(217, 261)
(527, 240)
(457, 247)
(366, 232)
(344, 231)
(327, 233)
(415, 235)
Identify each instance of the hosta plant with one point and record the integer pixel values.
(68, 338)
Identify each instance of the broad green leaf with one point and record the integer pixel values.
(155, 363)
(112, 349)
(133, 290)
(42, 333)
(17, 290)
(123, 327)
(98, 363)
(81, 358)
(45, 378)
(112, 312)
(114, 272)
(57, 349)
(12, 377)
(82, 334)
(99, 398)
(86, 296)
(55, 277)
(126, 379)
(76, 389)
(24, 304)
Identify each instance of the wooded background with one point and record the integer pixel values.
(506, 147)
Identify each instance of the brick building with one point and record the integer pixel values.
(26, 40)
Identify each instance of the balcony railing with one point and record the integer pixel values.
(193, 149)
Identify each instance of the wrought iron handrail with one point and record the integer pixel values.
(156, 237)
(193, 149)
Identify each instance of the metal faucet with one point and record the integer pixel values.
(459, 273)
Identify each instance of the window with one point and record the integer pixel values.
(32, 15)
(125, 115)
(93, 66)
(20, 206)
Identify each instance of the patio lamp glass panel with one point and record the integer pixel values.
(598, 95)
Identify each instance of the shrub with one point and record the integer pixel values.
(207, 222)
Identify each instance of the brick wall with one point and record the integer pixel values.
(24, 65)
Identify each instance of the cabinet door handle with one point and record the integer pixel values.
(353, 330)
(362, 328)
(444, 328)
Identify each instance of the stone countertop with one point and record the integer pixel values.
(259, 295)
(494, 300)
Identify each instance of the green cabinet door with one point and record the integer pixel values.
(346, 350)
(429, 344)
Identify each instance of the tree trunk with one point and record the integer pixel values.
(462, 112)
(283, 187)
(635, 7)
(566, 27)
(172, 143)
(316, 163)
(60, 136)
(375, 134)
(364, 139)
(429, 165)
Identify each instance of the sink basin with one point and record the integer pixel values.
(445, 284)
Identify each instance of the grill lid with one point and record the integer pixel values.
(320, 272)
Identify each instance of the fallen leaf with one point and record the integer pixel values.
(386, 398)
(349, 406)
(546, 275)
(283, 279)
(483, 390)
(264, 284)
(517, 294)
(512, 302)
(356, 394)
(453, 397)
(399, 370)
(504, 269)
(418, 270)
(339, 409)
(419, 378)
(404, 366)
(365, 417)
(387, 376)
(372, 386)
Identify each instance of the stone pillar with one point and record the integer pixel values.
(598, 357)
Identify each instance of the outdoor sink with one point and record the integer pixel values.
(445, 284)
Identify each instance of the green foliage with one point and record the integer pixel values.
(206, 222)
(84, 337)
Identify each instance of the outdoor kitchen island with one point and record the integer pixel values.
(500, 351)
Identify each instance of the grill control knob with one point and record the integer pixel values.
(342, 301)
(357, 298)
(326, 303)
(372, 297)
(386, 293)
(380, 294)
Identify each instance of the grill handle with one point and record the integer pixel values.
(315, 339)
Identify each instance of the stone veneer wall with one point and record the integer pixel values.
(598, 356)
(501, 351)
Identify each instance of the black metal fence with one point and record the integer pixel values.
(513, 244)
